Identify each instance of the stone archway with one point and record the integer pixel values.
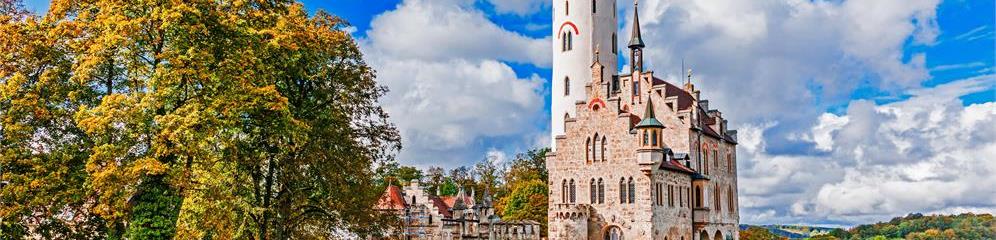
(703, 235)
(718, 235)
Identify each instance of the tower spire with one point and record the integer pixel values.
(636, 42)
(636, 39)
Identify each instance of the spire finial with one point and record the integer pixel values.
(636, 40)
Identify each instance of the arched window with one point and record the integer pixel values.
(563, 191)
(570, 41)
(601, 191)
(613, 233)
(615, 43)
(566, 116)
(716, 199)
(603, 148)
(592, 192)
(646, 138)
(594, 148)
(729, 162)
(572, 195)
(567, 86)
(632, 191)
(563, 41)
(715, 158)
(587, 154)
(622, 190)
(653, 138)
(729, 199)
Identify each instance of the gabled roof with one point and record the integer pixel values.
(391, 199)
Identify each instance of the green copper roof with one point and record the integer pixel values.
(648, 117)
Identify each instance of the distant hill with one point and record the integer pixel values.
(792, 231)
(913, 226)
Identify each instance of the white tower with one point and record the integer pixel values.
(580, 26)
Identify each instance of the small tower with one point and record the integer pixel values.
(651, 151)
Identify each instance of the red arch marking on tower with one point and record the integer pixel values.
(596, 101)
(568, 23)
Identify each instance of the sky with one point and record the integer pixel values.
(848, 111)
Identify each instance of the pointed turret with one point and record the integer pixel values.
(636, 42)
(649, 118)
(636, 39)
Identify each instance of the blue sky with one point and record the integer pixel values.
(849, 111)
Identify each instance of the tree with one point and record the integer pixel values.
(435, 177)
(527, 200)
(188, 119)
(757, 233)
(489, 175)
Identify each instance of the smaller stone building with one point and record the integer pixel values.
(429, 216)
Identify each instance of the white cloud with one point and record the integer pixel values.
(818, 51)
(928, 153)
(451, 94)
(519, 7)
(439, 30)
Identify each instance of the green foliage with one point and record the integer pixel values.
(448, 188)
(757, 233)
(188, 120)
(156, 211)
(918, 226)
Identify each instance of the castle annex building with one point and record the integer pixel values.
(635, 157)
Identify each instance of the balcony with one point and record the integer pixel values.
(700, 215)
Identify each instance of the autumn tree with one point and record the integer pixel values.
(187, 119)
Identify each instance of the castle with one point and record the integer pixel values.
(635, 157)
(423, 215)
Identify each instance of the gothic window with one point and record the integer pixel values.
(593, 7)
(622, 190)
(572, 195)
(566, 116)
(601, 191)
(632, 191)
(613, 234)
(603, 148)
(570, 41)
(653, 138)
(715, 199)
(715, 159)
(729, 200)
(615, 44)
(670, 195)
(563, 192)
(567, 86)
(592, 192)
(646, 138)
(594, 148)
(587, 154)
(567, 8)
(563, 41)
(729, 162)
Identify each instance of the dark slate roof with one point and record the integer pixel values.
(636, 40)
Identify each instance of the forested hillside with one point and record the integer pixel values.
(913, 226)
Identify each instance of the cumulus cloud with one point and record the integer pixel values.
(452, 95)
(817, 51)
(439, 30)
(928, 153)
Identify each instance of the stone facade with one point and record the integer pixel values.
(642, 158)
(423, 215)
